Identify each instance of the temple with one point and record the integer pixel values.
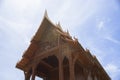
(54, 55)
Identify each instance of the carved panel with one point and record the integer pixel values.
(50, 35)
(44, 46)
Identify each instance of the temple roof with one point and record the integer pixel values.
(46, 22)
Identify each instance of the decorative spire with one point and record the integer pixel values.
(45, 14)
(68, 32)
(87, 50)
(75, 39)
(94, 56)
(59, 26)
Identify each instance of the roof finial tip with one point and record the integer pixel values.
(67, 31)
(45, 14)
(59, 24)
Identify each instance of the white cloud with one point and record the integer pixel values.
(74, 12)
(111, 68)
(112, 40)
(100, 25)
(101, 22)
(21, 5)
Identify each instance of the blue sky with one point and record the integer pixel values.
(96, 24)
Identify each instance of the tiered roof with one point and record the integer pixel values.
(86, 58)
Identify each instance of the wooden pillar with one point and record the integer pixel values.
(85, 72)
(93, 77)
(71, 68)
(33, 73)
(60, 67)
(27, 75)
(99, 77)
(94, 74)
(90, 74)
(60, 60)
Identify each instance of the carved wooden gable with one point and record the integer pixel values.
(49, 34)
